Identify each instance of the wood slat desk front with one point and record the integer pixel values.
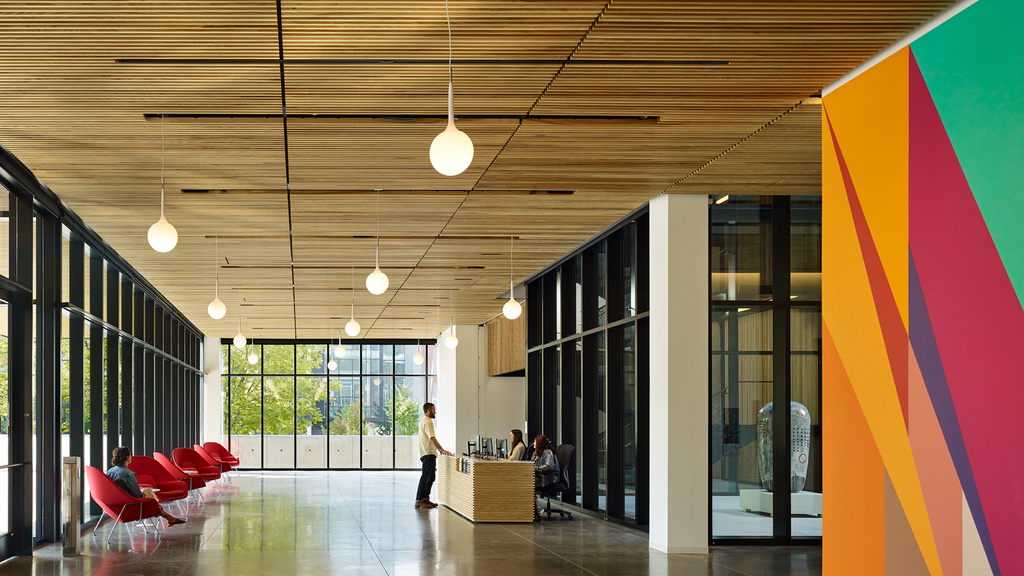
(488, 490)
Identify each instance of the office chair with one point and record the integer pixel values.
(563, 453)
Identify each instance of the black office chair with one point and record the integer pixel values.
(563, 453)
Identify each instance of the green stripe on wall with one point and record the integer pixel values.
(974, 67)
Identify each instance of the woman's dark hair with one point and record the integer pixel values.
(121, 455)
(543, 443)
(517, 439)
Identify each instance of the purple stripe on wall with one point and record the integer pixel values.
(976, 319)
(928, 359)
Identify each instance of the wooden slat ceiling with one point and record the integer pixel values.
(607, 102)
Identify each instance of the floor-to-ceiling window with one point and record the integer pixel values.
(586, 371)
(765, 268)
(73, 320)
(285, 406)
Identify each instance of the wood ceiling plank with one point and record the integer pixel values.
(77, 117)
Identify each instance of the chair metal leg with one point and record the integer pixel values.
(115, 524)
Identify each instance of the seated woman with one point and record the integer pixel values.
(545, 468)
(126, 480)
(518, 450)
(544, 462)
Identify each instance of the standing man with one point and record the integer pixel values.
(429, 447)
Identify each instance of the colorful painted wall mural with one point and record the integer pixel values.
(923, 279)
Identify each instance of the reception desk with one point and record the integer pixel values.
(486, 490)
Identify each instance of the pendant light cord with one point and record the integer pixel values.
(376, 259)
(353, 293)
(511, 263)
(162, 161)
(449, 21)
(216, 267)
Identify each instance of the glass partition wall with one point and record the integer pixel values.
(765, 268)
(587, 368)
(289, 409)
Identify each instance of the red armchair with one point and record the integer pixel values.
(217, 450)
(117, 503)
(212, 460)
(188, 459)
(150, 473)
(191, 479)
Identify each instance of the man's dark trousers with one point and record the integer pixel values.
(427, 477)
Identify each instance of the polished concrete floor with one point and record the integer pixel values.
(365, 523)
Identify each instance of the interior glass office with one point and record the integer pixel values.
(587, 368)
(765, 268)
(289, 409)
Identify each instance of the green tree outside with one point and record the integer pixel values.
(278, 402)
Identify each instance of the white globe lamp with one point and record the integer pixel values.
(239, 340)
(451, 152)
(162, 235)
(352, 328)
(339, 352)
(253, 358)
(332, 365)
(217, 309)
(451, 341)
(377, 282)
(512, 309)
(418, 359)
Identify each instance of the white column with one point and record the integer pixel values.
(213, 410)
(458, 388)
(679, 373)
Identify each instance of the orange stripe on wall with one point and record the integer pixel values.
(870, 115)
(853, 515)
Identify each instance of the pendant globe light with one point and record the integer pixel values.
(377, 281)
(216, 309)
(511, 309)
(451, 341)
(331, 364)
(376, 381)
(339, 351)
(352, 328)
(418, 358)
(451, 152)
(162, 235)
(253, 358)
(239, 340)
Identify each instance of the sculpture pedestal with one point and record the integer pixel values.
(806, 503)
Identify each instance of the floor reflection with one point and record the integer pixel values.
(365, 523)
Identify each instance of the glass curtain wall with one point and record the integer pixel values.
(765, 311)
(72, 319)
(586, 373)
(361, 414)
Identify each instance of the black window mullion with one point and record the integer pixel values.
(48, 380)
(781, 393)
(139, 377)
(113, 356)
(20, 372)
(95, 371)
(615, 382)
(76, 352)
(589, 442)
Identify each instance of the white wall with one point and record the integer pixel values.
(470, 402)
(679, 373)
(212, 405)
